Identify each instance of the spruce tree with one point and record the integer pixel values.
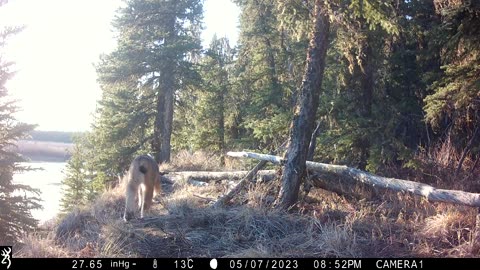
(158, 40)
(213, 106)
(75, 180)
(272, 50)
(16, 200)
(453, 107)
(141, 82)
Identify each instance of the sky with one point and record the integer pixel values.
(55, 81)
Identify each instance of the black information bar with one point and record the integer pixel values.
(236, 263)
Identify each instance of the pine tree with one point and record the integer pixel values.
(74, 183)
(158, 39)
(212, 106)
(16, 201)
(360, 118)
(272, 50)
(453, 107)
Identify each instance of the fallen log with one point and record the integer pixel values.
(202, 176)
(248, 178)
(318, 180)
(420, 189)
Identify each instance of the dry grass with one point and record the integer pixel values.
(437, 166)
(322, 224)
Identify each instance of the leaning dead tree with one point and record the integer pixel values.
(306, 108)
(420, 189)
(227, 197)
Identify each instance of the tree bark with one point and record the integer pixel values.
(161, 145)
(248, 178)
(466, 150)
(157, 133)
(366, 84)
(305, 110)
(263, 175)
(221, 125)
(416, 188)
(313, 142)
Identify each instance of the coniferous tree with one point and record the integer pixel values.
(158, 41)
(453, 107)
(16, 200)
(212, 106)
(269, 67)
(306, 108)
(75, 181)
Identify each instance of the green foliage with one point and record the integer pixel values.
(16, 200)
(375, 13)
(399, 75)
(74, 191)
(269, 68)
(212, 100)
(157, 42)
(454, 102)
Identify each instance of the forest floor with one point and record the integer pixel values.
(183, 223)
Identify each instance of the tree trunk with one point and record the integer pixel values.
(366, 83)
(202, 176)
(165, 97)
(157, 133)
(166, 127)
(305, 110)
(248, 178)
(313, 142)
(221, 125)
(466, 150)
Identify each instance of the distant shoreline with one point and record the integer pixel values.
(38, 151)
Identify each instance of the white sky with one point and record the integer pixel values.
(55, 81)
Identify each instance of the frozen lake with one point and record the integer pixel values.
(48, 181)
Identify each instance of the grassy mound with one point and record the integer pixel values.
(183, 223)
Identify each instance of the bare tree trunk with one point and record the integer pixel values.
(166, 127)
(202, 176)
(165, 97)
(221, 126)
(248, 178)
(305, 110)
(466, 150)
(157, 133)
(366, 83)
(313, 142)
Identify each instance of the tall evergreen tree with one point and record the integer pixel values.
(75, 190)
(214, 98)
(16, 200)
(269, 67)
(157, 41)
(454, 104)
